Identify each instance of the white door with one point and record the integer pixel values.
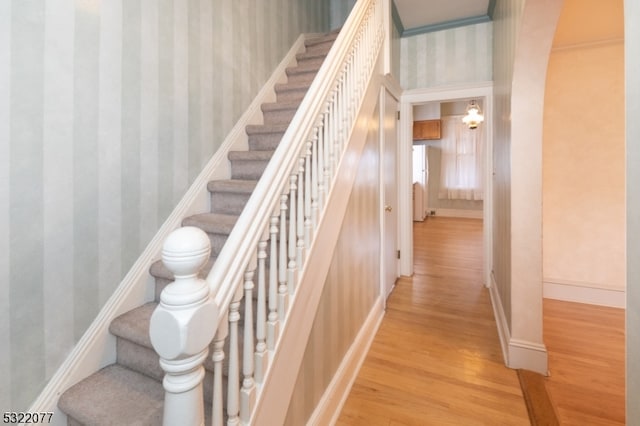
(389, 141)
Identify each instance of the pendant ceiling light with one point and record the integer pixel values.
(473, 116)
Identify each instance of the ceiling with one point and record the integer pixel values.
(420, 16)
(582, 21)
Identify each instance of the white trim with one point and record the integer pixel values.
(471, 214)
(515, 352)
(432, 94)
(528, 355)
(96, 348)
(501, 320)
(334, 397)
(583, 292)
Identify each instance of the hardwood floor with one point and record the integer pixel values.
(586, 360)
(436, 359)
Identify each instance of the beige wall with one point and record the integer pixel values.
(583, 167)
(352, 286)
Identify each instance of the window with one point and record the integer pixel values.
(461, 167)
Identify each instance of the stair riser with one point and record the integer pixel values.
(247, 169)
(279, 117)
(139, 358)
(228, 202)
(265, 141)
(312, 62)
(322, 47)
(301, 77)
(290, 95)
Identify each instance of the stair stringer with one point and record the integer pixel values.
(97, 347)
(279, 383)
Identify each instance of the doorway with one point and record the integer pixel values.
(411, 98)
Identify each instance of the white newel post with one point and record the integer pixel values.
(182, 326)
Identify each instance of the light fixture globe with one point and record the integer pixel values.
(473, 115)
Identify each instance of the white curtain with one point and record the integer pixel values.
(461, 166)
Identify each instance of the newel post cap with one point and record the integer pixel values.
(185, 251)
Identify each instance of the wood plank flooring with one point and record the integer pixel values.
(586, 347)
(436, 359)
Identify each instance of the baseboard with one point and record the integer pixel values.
(328, 409)
(470, 214)
(516, 353)
(529, 356)
(501, 319)
(96, 348)
(584, 293)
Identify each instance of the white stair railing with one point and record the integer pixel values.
(268, 246)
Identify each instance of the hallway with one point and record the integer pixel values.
(436, 359)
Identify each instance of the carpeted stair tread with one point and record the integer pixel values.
(292, 87)
(294, 91)
(264, 129)
(301, 74)
(308, 56)
(306, 66)
(134, 325)
(326, 38)
(250, 155)
(212, 223)
(245, 186)
(278, 106)
(231, 195)
(115, 395)
(265, 137)
(279, 112)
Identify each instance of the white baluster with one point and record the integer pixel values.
(308, 224)
(273, 329)
(283, 294)
(343, 114)
(323, 155)
(315, 181)
(217, 411)
(248, 391)
(261, 314)
(300, 210)
(180, 327)
(291, 267)
(233, 377)
(330, 141)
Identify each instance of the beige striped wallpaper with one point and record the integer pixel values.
(506, 20)
(447, 57)
(108, 111)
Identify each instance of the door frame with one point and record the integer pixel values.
(413, 97)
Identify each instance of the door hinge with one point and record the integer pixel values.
(398, 254)
(398, 115)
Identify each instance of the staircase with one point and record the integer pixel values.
(130, 391)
